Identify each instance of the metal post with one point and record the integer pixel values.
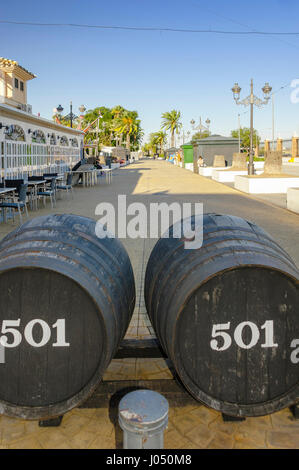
(239, 122)
(273, 123)
(143, 416)
(5, 161)
(251, 165)
(71, 113)
(97, 132)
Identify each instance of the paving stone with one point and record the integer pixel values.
(285, 418)
(86, 412)
(146, 368)
(102, 426)
(221, 441)
(52, 439)
(73, 424)
(247, 444)
(204, 414)
(101, 442)
(218, 426)
(284, 439)
(12, 430)
(26, 443)
(183, 423)
(255, 435)
(83, 439)
(200, 435)
(174, 440)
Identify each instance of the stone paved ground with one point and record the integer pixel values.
(190, 426)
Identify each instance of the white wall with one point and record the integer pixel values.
(41, 126)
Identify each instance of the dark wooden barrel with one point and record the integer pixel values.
(68, 298)
(227, 315)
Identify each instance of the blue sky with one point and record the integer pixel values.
(154, 72)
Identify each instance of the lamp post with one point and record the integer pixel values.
(97, 132)
(82, 110)
(69, 117)
(251, 100)
(201, 127)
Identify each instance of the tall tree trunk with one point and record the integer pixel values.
(128, 141)
(172, 139)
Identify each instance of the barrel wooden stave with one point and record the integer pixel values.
(173, 277)
(55, 267)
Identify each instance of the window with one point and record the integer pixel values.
(64, 141)
(16, 133)
(38, 137)
(22, 86)
(16, 83)
(52, 139)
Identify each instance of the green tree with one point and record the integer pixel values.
(158, 140)
(245, 136)
(171, 122)
(113, 124)
(146, 148)
(128, 124)
(200, 135)
(105, 125)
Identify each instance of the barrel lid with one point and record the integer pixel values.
(142, 408)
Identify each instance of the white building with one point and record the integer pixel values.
(28, 143)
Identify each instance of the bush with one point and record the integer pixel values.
(257, 159)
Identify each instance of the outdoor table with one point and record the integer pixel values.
(35, 185)
(4, 191)
(58, 177)
(88, 176)
(108, 174)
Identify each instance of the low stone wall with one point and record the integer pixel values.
(239, 161)
(219, 161)
(293, 199)
(273, 163)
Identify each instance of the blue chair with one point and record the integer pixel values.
(68, 185)
(20, 204)
(49, 193)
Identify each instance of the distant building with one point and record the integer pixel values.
(29, 143)
(216, 145)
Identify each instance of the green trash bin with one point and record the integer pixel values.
(188, 154)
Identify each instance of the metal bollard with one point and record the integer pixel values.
(143, 416)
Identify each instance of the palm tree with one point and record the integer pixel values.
(128, 124)
(171, 122)
(158, 139)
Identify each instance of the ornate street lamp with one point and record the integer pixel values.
(69, 117)
(59, 109)
(250, 101)
(200, 126)
(82, 109)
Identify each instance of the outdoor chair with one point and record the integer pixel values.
(49, 175)
(35, 178)
(68, 185)
(19, 204)
(14, 183)
(32, 191)
(49, 193)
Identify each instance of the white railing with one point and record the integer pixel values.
(18, 159)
